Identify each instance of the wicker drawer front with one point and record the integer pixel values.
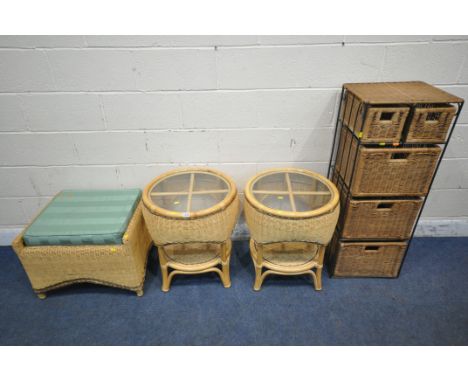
(371, 259)
(430, 124)
(375, 219)
(388, 172)
(379, 219)
(385, 171)
(381, 124)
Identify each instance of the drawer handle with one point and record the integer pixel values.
(433, 116)
(400, 155)
(384, 206)
(371, 248)
(386, 116)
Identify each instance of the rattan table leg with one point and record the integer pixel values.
(258, 277)
(317, 278)
(165, 279)
(318, 270)
(226, 278)
(41, 296)
(164, 271)
(225, 261)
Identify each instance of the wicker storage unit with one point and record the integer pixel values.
(382, 218)
(366, 259)
(430, 124)
(190, 214)
(389, 141)
(291, 214)
(386, 171)
(382, 123)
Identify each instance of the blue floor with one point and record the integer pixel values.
(427, 305)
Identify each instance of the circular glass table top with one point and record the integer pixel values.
(292, 192)
(189, 192)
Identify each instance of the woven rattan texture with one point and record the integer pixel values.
(430, 124)
(345, 157)
(288, 254)
(376, 219)
(382, 124)
(365, 220)
(216, 227)
(370, 259)
(192, 253)
(378, 172)
(124, 266)
(265, 228)
(386, 171)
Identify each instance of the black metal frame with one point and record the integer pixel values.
(333, 156)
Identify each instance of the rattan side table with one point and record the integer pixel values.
(190, 214)
(291, 214)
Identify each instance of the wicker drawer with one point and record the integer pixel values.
(376, 218)
(382, 123)
(379, 219)
(370, 259)
(392, 171)
(430, 124)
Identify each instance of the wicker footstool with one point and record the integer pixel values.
(291, 214)
(86, 236)
(190, 214)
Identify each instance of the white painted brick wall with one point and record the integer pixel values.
(298, 66)
(115, 111)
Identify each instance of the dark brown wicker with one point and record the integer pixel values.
(393, 171)
(382, 123)
(376, 218)
(430, 124)
(369, 259)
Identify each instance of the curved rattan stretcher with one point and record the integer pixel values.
(122, 266)
(290, 242)
(192, 242)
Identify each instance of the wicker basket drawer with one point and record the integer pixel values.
(382, 171)
(376, 218)
(370, 259)
(430, 124)
(382, 123)
(379, 219)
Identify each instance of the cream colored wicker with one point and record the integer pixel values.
(122, 266)
(190, 214)
(291, 214)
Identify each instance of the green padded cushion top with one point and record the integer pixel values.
(84, 217)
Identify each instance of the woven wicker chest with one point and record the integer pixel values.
(388, 144)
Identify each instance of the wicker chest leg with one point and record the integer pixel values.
(41, 296)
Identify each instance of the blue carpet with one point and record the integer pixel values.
(427, 305)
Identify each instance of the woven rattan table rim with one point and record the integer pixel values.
(327, 208)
